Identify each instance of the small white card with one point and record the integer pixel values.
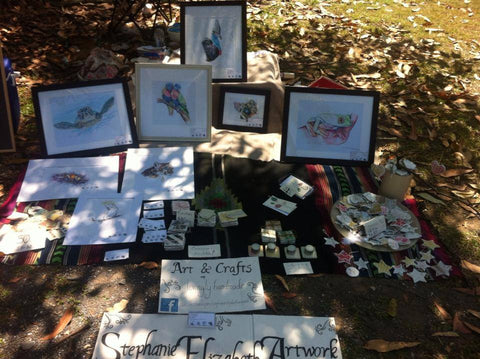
(153, 205)
(201, 320)
(156, 213)
(186, 216)
(294, 268)
(150, 224)
(154, 236)
(207, 251)
(375, 226)
(117, 255)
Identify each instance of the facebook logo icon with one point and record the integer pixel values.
(169, 305)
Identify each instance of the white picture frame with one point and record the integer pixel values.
(174, 102)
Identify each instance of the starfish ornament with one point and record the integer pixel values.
(430, 244)
(408, 262)
(421, 265)
(426, 256)
(383, 267)
(344, 257)
(398, 269)
(417, 276)
(330, 241)
(361, 264)
(442, 269)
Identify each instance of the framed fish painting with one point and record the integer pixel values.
(85, 118)
(214, 33)
(243, 109)
(174, 102)
(327, 126)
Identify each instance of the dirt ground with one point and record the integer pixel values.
(33, 299)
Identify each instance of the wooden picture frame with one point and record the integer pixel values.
(243, 109)
(85, 118)
(215, 33)
(7, 139)
(174, 102)
(329, 126)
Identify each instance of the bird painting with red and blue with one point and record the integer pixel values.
(174, 100)
(212, 45)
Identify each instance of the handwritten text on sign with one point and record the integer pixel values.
(217, 285)
(232, 337)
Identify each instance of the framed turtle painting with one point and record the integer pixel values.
(85, 118)
(174, 102)
(327, 126)
(243, 109)
(214, 33)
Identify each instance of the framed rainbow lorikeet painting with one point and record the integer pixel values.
(327, 126)
(243, 109)
(214, 33)
(174, 102)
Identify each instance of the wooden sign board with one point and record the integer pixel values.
(7, 141)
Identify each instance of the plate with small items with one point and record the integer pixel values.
(375, 222)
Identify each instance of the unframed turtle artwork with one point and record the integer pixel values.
(246, 109)
(86, 117)
(332, 128)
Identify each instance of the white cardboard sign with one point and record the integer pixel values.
(124, 335)
(215, 285)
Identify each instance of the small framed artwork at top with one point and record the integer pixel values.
(327, 126)
(243, 109)
(85, 118)
(214, 33)
(174, 102)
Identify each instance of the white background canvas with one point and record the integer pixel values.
(178, 185)
(39, 184)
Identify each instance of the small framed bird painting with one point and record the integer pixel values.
(214, 33)
(329, 126)
(174, 102)
(84, 118)
(243, 109)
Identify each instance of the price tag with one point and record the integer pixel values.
(116, 255)
(153, 205)
(154, 236)
(198, 132)
(156, 213)
(150, 224)
(201, 320)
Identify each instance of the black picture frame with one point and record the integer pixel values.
(81, 106)
(233, 117)
(197, 48)
(7, 139)
(329, 126)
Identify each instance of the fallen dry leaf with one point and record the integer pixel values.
(430, 198)
(118, 307)
(17, 279)
(474, 313)
(383, 346)
(392, 307)
(442, 312)
(456, 172)
(471, 291)
(472, 327)
(458, 325)
(445, 334)
(283, 281)
(64, 320)
(270, 302)
(289, 295)
(471, 267)
(149, 265)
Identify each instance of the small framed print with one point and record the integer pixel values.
(243, 109)
(329, 126)
(174, 102)
(84, 118)
(214, 33)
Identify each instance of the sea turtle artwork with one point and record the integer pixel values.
(86, 117)
(158, 169)
(212, 45)
(331, 128)
(111, 211)
(174, 100)
(246, 109)
(70, 178)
